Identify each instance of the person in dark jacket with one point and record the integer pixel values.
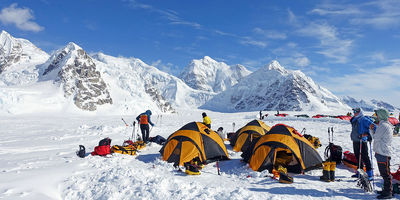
(144, 121)
(360, 136)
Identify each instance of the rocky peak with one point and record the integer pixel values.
(77, 73)
(276, 66)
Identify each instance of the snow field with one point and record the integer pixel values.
(39, 161)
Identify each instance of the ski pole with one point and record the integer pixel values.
(133, 130)
(126, 124)
(372, 167)
(332, 133)
(329, 135)
(359, 160)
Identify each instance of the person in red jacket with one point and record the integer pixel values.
(144, 121)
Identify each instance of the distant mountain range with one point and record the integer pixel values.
(369, 106)
(275, 88)
(70, 80)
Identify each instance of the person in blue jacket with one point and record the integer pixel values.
(360, 136)
(144, 121)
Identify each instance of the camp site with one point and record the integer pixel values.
(208, 100)
(47, 167)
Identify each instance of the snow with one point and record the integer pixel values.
(209, 75)
(273, 87)
(39, 161)
(20, 60)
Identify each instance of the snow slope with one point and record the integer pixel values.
(274, 88)
(39, 162)
(18, 60)
(209, 75)
(136, 85)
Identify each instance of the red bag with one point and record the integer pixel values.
(396, 175)
(101, 150)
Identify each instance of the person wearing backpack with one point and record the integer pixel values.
(206, 120)
(360, 136)
(144, 121)
(383, 134)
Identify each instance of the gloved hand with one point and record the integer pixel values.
(365, 138)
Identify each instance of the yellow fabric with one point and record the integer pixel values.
(332, 165)
(169, 149)
(130, 150)
(188, 150)
(243, 137)
(188, 172)
(326, 165)
(255, 161)
(292, 131)
(206, 120)
(285, 139)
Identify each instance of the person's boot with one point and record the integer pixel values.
(283, 176)
(332, 171)
(386, 192)
(370, 174)
(192, 170)
(325, 173)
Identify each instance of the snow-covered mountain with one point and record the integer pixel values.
(136, 85)
(209, 75)
(369, 106)
(77, 74)
(18, 60)
(274, 88)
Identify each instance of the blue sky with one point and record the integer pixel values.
(350, 47)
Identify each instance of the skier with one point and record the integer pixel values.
(360, 135)
(144, 121)
(206, 120)
(382, 133)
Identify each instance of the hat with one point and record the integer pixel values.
(382, 114)
(356, 110)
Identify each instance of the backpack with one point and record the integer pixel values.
(144, 119)
(81, 152)
(103, 148)
(334, 153)
(105, 141)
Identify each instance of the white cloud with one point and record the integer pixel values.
(302, 61)
(381, 14)
(377, 83)
(272, 34)
(379, 56)
(330, 44)
(335, 9)
(292, 17)
(20, 17)
(249, 41)
(170, 15)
